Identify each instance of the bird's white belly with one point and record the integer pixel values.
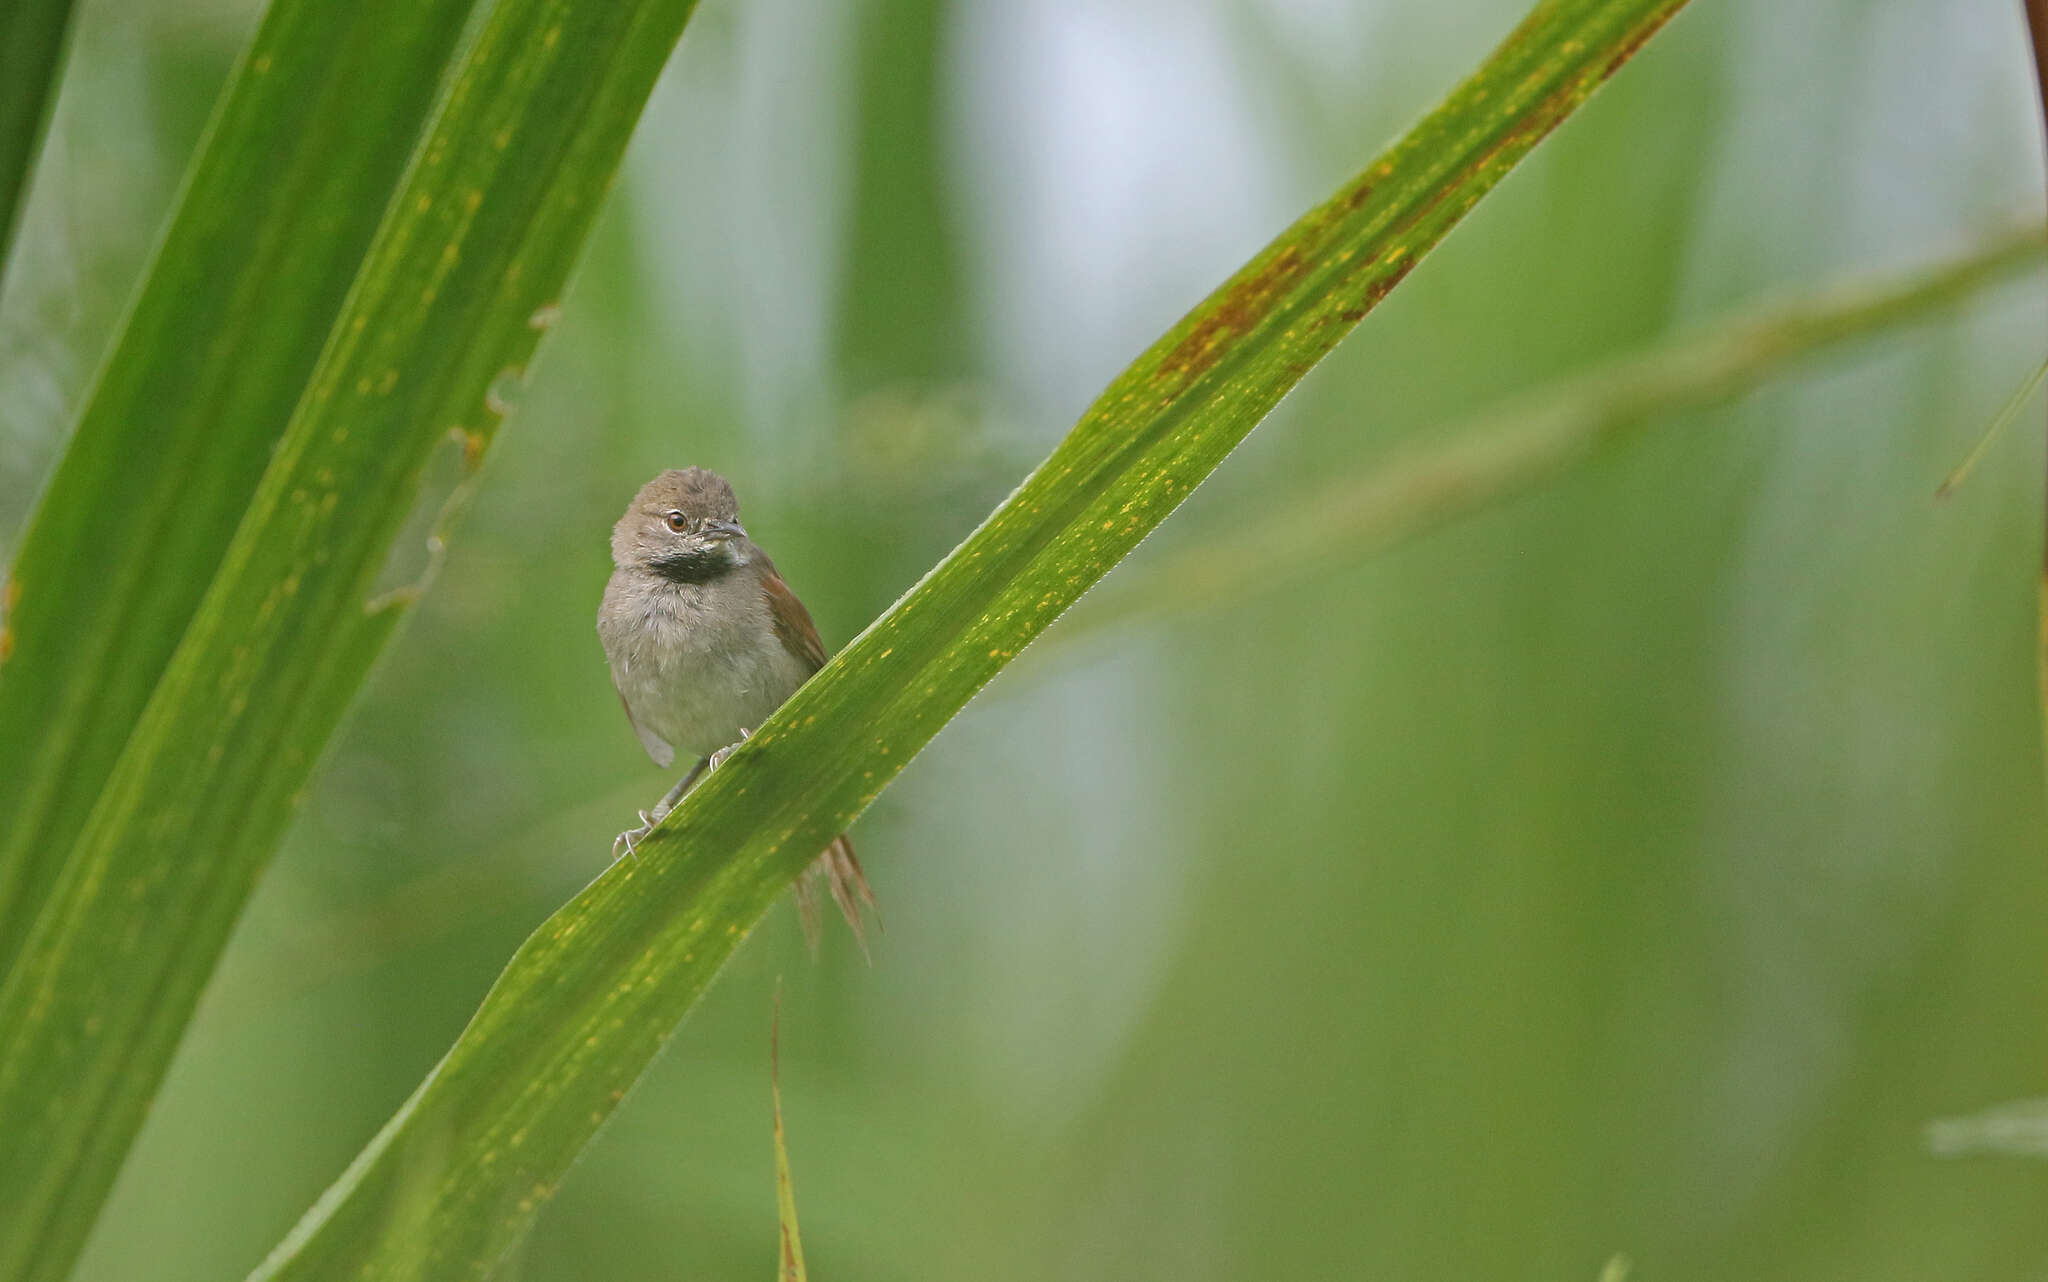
(694, 678)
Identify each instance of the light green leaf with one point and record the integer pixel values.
(454, 291)
(589, 999)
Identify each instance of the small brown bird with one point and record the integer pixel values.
(705, 640)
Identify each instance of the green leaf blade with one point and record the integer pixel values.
(33, 34)
(289, 185)
(451, 298)
(593, 994)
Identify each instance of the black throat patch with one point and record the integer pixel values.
(694, 565)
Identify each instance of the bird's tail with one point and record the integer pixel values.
(840, 870)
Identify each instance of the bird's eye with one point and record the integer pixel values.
(678, 522)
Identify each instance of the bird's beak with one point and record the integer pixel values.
(724, 530)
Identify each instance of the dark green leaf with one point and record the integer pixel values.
(32, 35)
(296, 168)
(453, 293)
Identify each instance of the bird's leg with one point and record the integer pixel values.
(675, 794)
(632, 837)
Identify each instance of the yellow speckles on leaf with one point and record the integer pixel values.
(502, 139)
(388, 381)
(471, 199)
(424, 203)
(544, 317)
(259, 65)
(340, 435)
(328, 500)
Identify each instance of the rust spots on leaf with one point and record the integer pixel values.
(1637, 41)
(1384, 285)
(1234, 315)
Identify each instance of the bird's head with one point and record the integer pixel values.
(684, 526)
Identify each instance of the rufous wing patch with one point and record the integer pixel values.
(792, 622)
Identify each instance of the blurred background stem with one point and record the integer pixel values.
(1464, 467)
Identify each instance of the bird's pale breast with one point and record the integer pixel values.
(695, 663)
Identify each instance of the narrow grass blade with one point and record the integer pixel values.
(590, 998)
(32, 38)
(460, 279)
(2002, 420)
(1504, 451)
(292, 175)
(790, 1267)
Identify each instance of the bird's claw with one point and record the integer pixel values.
(631, 838)
(717, 759)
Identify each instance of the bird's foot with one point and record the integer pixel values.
(632, 837)
(717, 759)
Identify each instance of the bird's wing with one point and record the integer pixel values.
(657, 747)
(792, 622)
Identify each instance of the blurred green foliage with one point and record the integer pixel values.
(1637, 868)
